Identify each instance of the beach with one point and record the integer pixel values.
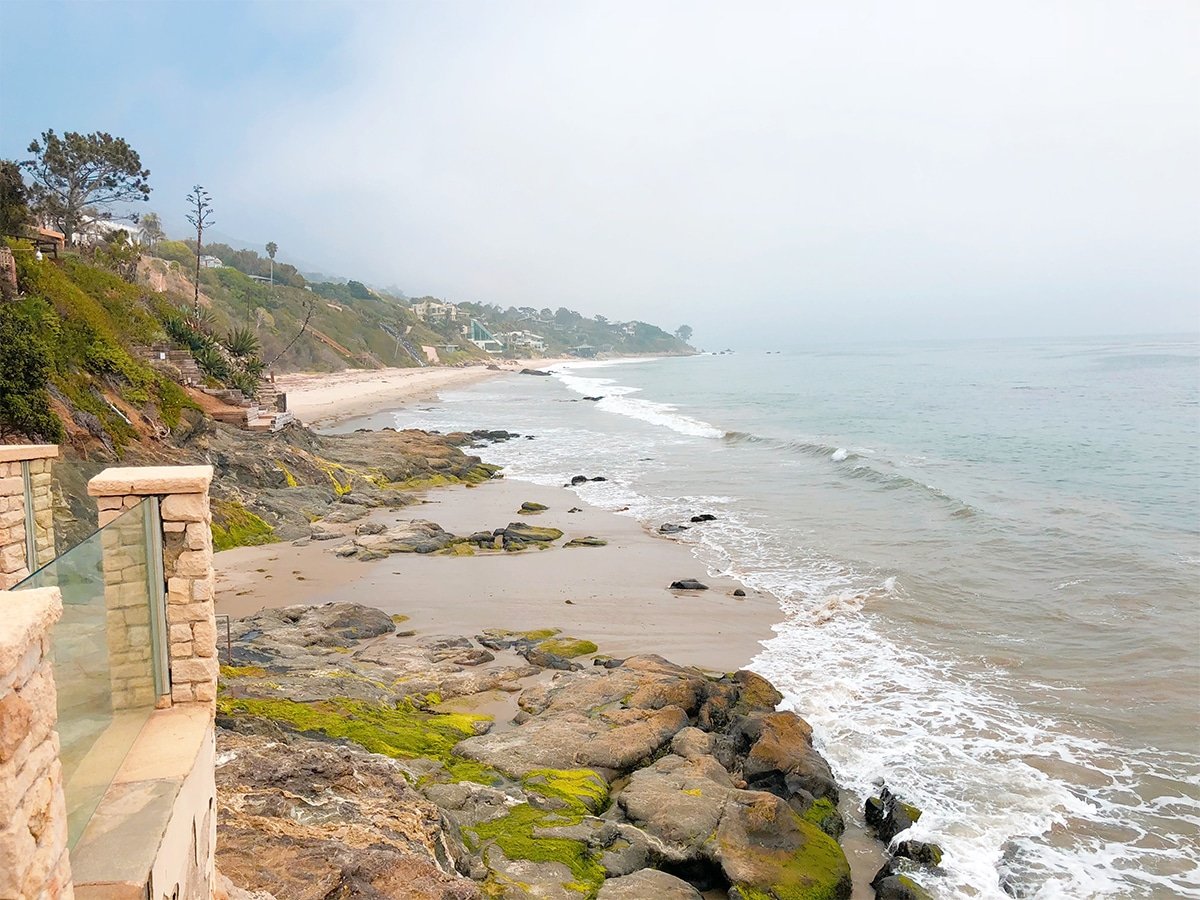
(616, 595)
(323, 399)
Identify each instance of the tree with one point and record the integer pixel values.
(200, 217)
(152, 228)
(272, 249)
(24, 373)
(684, 333)
(79, 170)
(14, 198)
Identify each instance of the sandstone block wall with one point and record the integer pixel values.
(16, 510)
(127, 603)
(33, 817)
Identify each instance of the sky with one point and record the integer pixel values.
(765, 172)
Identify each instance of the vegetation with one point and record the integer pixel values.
(235, 526)
(83, 171)
(14, 198)
(24, 376)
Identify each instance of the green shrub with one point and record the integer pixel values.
(24, 373)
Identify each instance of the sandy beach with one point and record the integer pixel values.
(328, 397)
(615, 595)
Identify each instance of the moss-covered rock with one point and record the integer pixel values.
(530, 506)
(403, 732)
(235, 526)
(567, 647)
(588, 541)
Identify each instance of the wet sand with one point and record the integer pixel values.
(616, 596)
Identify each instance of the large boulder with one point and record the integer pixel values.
(781, 758)
(678, 802)
(766, 849)
(888, 815)
(416, 536)
(611, 743)
(647, 884)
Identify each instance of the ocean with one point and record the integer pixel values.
(987, 562)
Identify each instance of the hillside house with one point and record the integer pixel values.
(435, 309)
(524, 340)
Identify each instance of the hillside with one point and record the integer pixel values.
(355, 326)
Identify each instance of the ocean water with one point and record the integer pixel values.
(987, 562)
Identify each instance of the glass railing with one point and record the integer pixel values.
(108, 651)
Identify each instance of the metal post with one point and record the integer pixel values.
(31, 551)
(156, 584)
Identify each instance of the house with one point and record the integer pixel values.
(524, 340)
(211, 262)
(484, 339)
(94, 231)
(435, 309)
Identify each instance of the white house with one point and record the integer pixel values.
(97, 231)
(435, 309)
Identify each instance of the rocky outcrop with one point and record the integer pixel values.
(688, 584)
(352, 766)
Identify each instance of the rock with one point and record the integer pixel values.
(345, 550)
(534, 372)
(369, 528)
(588, 541)
(764, 847)
(669, 528)
(691, 743)
(625, 850)
(497, 436)
(781, 758)
(595, 399)
(416, 536)
(308, 820)
(530, 507)
(647, 884)
(546, 660)
(578, 479)
(517, 533)
(573, 740)
(920, 852)
(739, 593)
(599, 478)
(345, 514)
(679, 803)
(704, 517)
(888, 815)
(320, 534)
(574, 509)
(898, 887)
(688, 584)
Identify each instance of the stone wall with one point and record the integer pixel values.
(17, 460)
(33, 816)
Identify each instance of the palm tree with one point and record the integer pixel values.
(272, 249)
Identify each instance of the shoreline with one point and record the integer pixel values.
(618, 594)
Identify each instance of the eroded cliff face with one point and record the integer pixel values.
(361, 761)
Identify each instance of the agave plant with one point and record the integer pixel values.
(242, 343)
(212, 361)
(200, 320)
(245, 382)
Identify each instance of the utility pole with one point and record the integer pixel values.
(201, 217)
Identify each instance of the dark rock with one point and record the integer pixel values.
(688, 584)
(574, 509)
(739, 593)
(704, 517)
(594, 399)
(518, 533)
(888, 815)
(531, 507)
(598, 478)
(897, 887)
(578, 479)
(920, 852)
(533, 372)
(669, 528)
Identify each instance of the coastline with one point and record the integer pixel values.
(328, 398)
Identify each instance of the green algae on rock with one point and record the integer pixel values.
(567, 647)
(235, 526)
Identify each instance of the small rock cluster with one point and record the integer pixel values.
(888, 816)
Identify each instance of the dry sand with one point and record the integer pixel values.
(618, 594)
(328, 397)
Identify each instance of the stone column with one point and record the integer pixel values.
(33, 814)
(18, 461)
(187, 566)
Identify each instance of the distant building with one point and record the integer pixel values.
(211, 262)
(524, 340)
(484, 339)
(98, 231)
(435, 309)
(584, 350)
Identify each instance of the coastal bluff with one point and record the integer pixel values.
(356, 758)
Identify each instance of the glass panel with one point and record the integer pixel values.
(74, 510)
(103, 653)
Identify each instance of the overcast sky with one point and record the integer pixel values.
(841, 169)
